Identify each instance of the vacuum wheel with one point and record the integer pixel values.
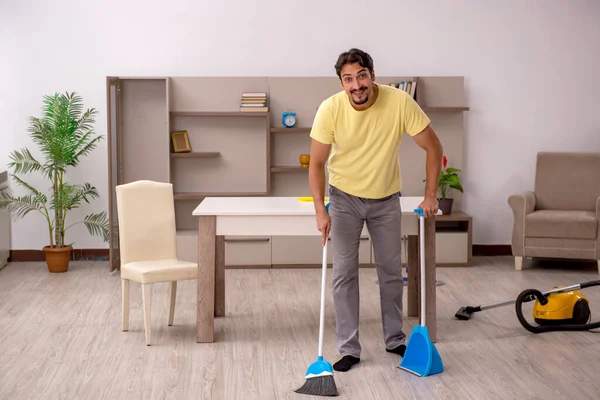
(581, 313)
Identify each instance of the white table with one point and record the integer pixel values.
(271, 216)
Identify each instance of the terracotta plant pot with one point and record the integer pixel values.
(304, 160)
(57, 259)
(445, 205)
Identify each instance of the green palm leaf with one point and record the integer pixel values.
(20, 205)
(23, 162)
(97, 224)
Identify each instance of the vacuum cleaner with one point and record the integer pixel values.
(563, 308)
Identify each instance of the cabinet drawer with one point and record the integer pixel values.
(451, 247)
(239, 250)
(303, 250)
(247, 250)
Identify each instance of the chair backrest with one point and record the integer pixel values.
(146, 215)
(567, 180)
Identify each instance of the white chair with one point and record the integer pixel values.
(148, 244)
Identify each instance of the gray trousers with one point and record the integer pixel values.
(383, 218)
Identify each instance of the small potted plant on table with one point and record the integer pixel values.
(449, 180)
(64, 135)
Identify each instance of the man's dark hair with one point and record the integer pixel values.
(352, 56)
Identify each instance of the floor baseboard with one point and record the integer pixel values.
(492, 250)
(479, 250)
(76, 255)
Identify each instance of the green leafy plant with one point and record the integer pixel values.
(449, 180)
(64, 134)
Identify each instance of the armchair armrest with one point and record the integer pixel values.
(521, 205)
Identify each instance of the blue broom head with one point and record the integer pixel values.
(421, 356)
(319, 368)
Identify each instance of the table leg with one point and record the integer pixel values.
(430, 278)
(414, 281)
(205, 313)
(220, 276)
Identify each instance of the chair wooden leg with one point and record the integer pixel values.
(173, 297)
(599, 266)
(125, 284)
(518, 263)
(147, 300)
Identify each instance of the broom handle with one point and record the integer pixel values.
(422, 257)
(322, 317)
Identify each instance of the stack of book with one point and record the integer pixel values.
(409, 87)
(254, 102)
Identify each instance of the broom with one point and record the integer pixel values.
(319, 376)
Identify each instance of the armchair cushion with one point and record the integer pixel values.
(567, 181)
(561, 224)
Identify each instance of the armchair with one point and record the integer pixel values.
(559, 218)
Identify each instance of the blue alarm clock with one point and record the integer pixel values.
(288, 118)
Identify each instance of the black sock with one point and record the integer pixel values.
(345, 363)
(398, 350)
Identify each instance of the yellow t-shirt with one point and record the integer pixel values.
(364, 159)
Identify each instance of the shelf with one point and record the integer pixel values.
(219, 113)
(456, 216)
(445, 109)
(202, 195)
(290, 130)
(199, 154)
(288, 169)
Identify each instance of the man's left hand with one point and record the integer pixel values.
(429, 206)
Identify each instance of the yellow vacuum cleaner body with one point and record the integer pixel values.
(562, 308)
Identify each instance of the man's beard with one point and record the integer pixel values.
(363, 90)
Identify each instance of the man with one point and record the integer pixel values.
(362, 126)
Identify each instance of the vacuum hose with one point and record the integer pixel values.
(531, 294)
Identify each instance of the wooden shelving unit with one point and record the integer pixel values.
(291, 130)
(289, 169)
(198, 154)
(237, 153)
(454, 239)
(201, 196)
(243, 114)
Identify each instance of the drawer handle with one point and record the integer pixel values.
(248, 240)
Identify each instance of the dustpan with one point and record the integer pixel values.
(421, 356)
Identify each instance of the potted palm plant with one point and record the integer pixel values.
(64, 135)
(449, 180)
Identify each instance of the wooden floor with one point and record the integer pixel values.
(60, 338)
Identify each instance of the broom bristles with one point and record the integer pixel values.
(319, 386)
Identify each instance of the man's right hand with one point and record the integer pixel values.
(324, 224)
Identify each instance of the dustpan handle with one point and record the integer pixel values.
(422, 262)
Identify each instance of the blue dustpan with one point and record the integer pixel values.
(319, 368)
(421, 357)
